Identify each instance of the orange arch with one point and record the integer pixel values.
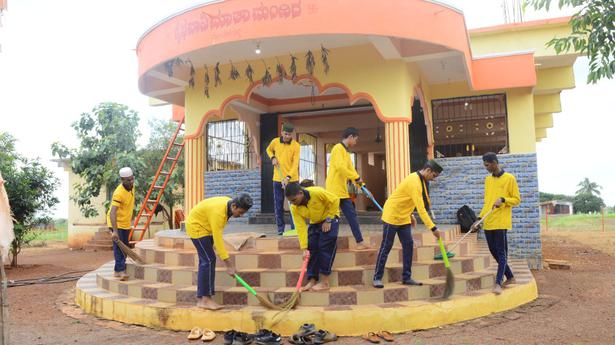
(353, 98)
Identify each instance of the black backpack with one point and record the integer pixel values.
(465, 217)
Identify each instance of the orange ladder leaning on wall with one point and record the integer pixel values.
(155, 192)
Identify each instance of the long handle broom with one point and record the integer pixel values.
(371, 197)
(450, 278)
(265, 301)
(129, 252)
(289, 232)
(450, 253)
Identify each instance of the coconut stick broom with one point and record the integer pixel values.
(129, 252)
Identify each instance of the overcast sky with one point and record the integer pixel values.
(61, 58)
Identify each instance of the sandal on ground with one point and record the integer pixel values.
(300, 340)
(371, 337)
(208, 335)
(195, 334)
(306, 329)
(323, 336)
(386, 336)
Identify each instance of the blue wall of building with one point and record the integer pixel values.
(234, 182)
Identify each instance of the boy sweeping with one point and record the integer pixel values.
(284, 154)
(119, 219)
(501, 194)
(341, 170)
(322, 209)
(397, 217)
(205, 224)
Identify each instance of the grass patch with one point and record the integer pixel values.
(59, 234)
(579, 222)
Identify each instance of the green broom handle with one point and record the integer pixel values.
(443, 251)
(303, 268)
(469, 232)
(290, 211)
(242, 282)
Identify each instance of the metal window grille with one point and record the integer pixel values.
(307, 160)
(470, 126)
(229, 146)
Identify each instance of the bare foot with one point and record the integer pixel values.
(208, 304)
(309, 285)
(322, 286)
(362, 246)
(123, 276)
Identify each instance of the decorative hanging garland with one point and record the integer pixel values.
(217, 80)
(192, 73)
(234, 72)
(310, 62)
(280, 72)
(249, 73)
(293, 67)
(325, 58)
(206, 82)
(266, 79)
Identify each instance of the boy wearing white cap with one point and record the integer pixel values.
(119, 218)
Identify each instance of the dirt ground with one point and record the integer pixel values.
(574, 307)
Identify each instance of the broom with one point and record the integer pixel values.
(371, 197)
(294, 299)
(129, 252)
(292, 232)
(450, 278)
(449, 252)
(265, 301)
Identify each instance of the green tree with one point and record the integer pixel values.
(161, 133)
(108, 141)
(593, 34)
(587, 198)
(588, 187)
(30, 187)
(549, 197)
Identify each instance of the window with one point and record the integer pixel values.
(470, 126)
(228, 146)
(307, 161)
(329, 147)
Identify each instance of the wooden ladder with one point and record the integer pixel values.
(155, 192)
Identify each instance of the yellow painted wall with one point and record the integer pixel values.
(553, 80)
(549, 103)
(390, 83)
(520, 40)
(544, 120)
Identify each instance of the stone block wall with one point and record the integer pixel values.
(462, 183)
(234, 182)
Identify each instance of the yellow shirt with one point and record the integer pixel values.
(288, 157)
(320, 205)
(208, 218)
(407, 196)
(505, 187)
(340, 171)
(124, 200)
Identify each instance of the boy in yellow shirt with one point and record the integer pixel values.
(412, 192)
(341, 170)
(119, 219)
(284, 154)
(205, 225)
(322, 209)
(501, 194)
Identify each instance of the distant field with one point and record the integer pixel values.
(579, 222)
(60, 234)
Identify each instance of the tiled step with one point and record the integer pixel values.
(362, 218)
(261, 277)
(174, 239)
(339, 295)
(290, 258)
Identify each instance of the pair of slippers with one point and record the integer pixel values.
(375, 337)
(201, 333)
(308, 335)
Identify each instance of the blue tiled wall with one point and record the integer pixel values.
(234, 182)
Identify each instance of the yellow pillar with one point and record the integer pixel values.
(397, 153)
(194, 172)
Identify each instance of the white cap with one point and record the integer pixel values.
(125, 172)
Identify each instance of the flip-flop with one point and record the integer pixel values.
(208, 335)
(371, 337)
(300, 340)
(306, 329)
(195, 333)
(387, 336)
